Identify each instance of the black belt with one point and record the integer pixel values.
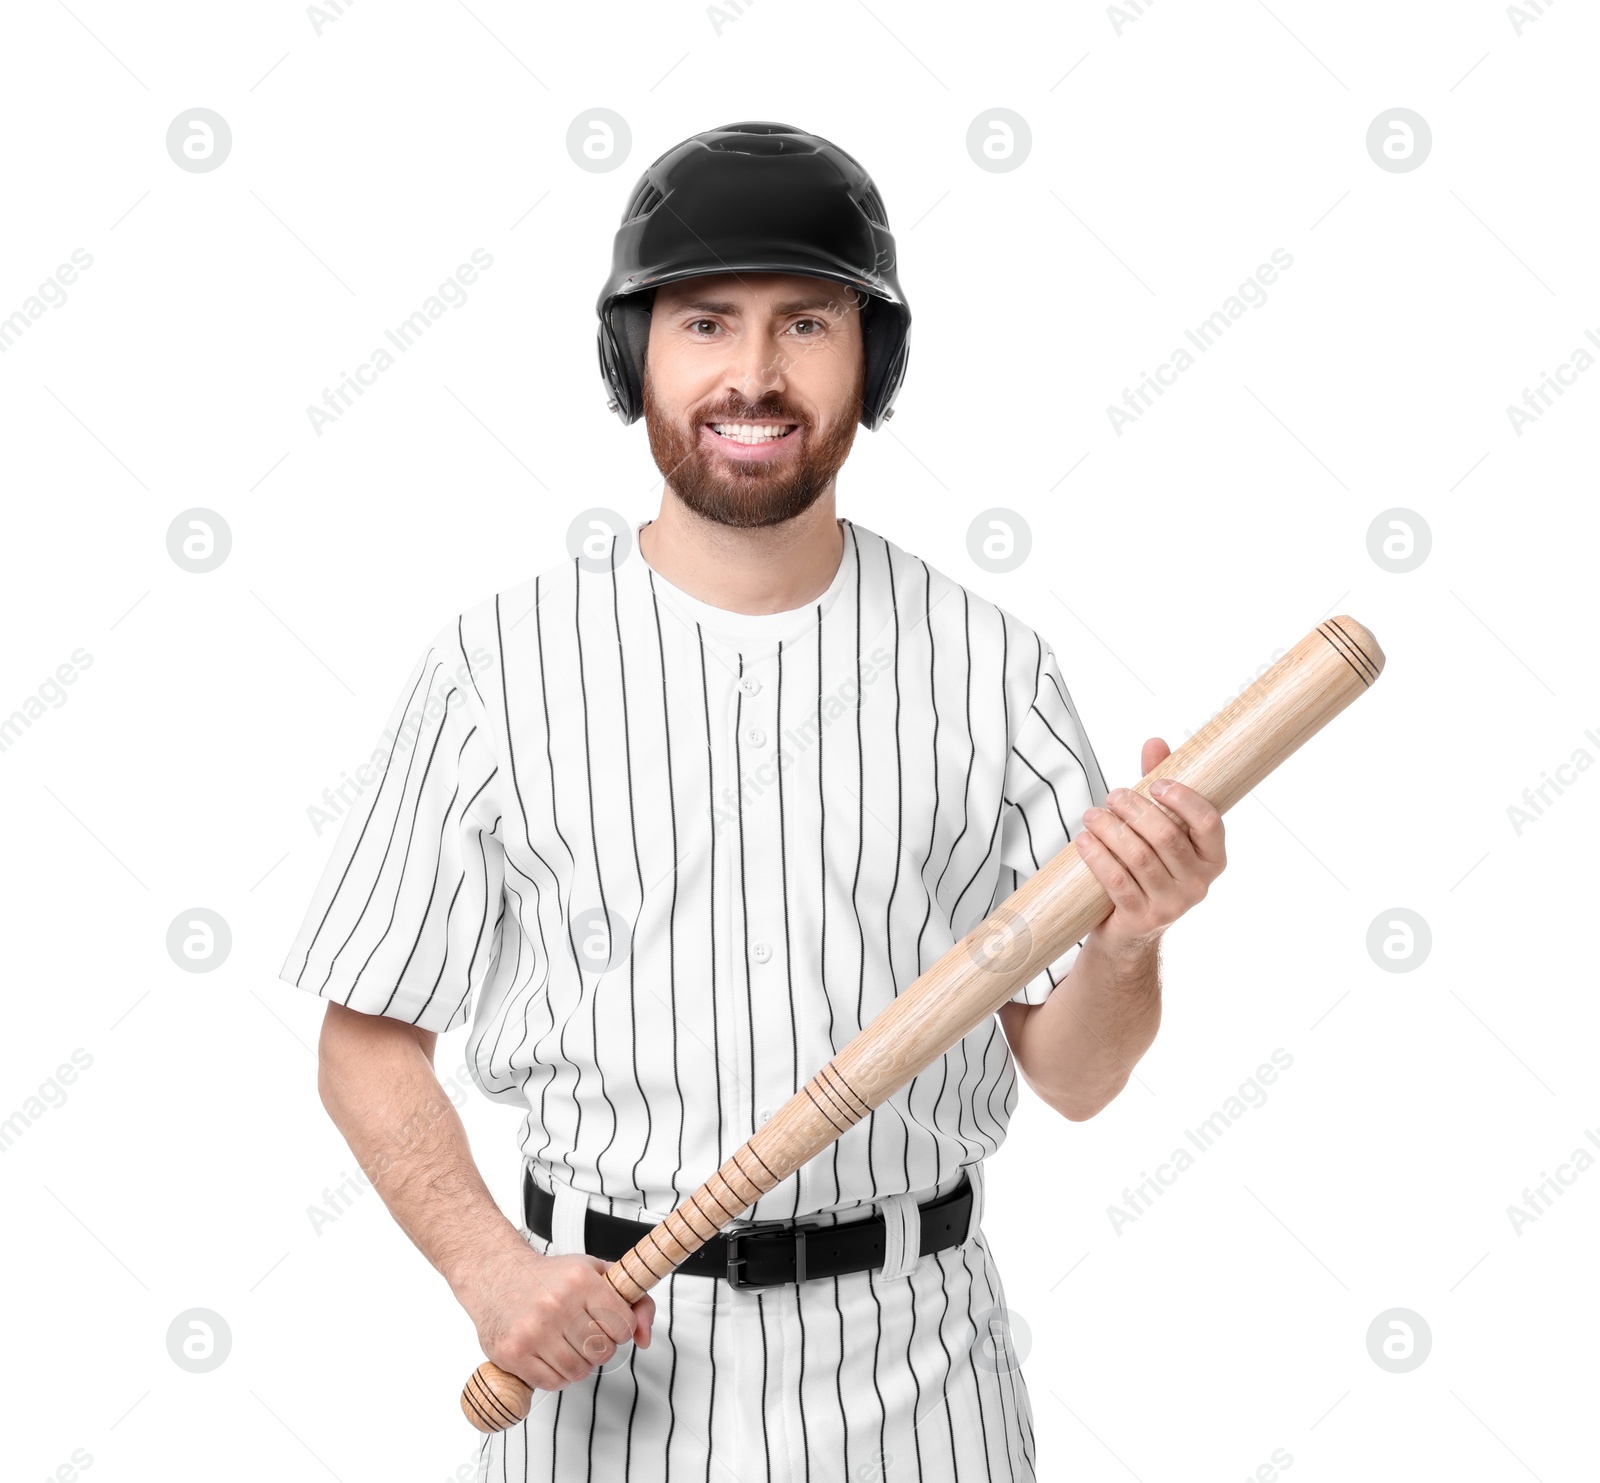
(767, 1253)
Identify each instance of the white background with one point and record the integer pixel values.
(1171, 153)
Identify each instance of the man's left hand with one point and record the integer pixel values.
(1153, 867)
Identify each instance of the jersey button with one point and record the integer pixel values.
(765, 1114)
(756, 736)
(750, 685)
(761, 952)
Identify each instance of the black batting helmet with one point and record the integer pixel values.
(756, 197)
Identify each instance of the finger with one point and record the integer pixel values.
(1202, 818)
(644, 1314)
(1169, 838)
(563, 1362)
(1126, 894)
(536, 1373)
(1132, 850)
(591, 1340)
(569, 1358)
(614, 1317)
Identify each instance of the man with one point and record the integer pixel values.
(675, 824)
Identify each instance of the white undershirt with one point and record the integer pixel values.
(756, 630)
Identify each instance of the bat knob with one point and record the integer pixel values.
(494, 1399)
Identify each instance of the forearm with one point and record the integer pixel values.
(1094, 1026)
(378, 1084)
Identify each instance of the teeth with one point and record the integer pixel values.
(749, 432)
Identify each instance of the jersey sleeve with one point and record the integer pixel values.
(406, 918)
(1052, 777)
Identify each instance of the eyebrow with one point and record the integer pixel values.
(789, 306)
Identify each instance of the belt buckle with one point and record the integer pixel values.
(757, 1229)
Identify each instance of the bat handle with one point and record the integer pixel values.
(494, 1399)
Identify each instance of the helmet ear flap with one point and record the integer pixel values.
(623, 338)
(885, 338)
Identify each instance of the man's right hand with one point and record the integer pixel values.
(551, 1319)
(548, 1319)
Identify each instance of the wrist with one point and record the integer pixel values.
(1126, 952)
(471, 1268)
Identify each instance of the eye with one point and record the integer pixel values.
(694, 324)
(817, 322)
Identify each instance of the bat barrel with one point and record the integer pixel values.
(1268, 721)
(1245, 741)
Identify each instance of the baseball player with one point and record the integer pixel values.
(666, 825)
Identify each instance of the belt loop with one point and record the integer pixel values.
(567, 1218)
(902, 1231)
(975, 1172)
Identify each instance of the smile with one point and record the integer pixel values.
(753, 442)
(751, 433)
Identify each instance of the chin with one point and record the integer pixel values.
(739, 506)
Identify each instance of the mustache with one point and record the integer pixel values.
(750, 414)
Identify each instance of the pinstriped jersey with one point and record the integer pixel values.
(665, 859)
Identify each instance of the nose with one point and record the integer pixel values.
(757, 367)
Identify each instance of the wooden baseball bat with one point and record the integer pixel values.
(1053, 909)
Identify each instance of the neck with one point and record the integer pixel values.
(769, 569)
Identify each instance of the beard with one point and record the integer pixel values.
(747, 493)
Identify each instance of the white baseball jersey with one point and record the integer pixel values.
(665, 860)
